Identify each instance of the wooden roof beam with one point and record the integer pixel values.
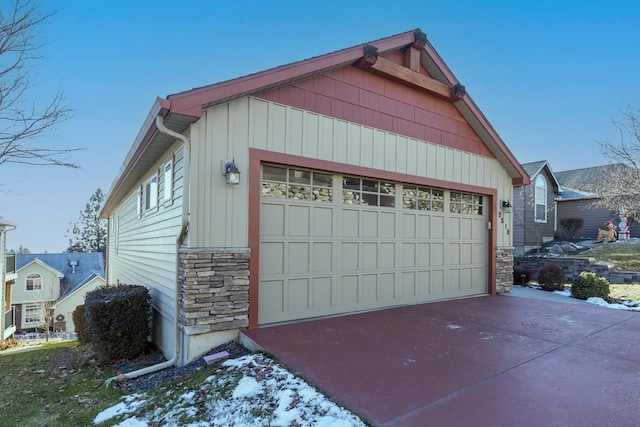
(373, 62)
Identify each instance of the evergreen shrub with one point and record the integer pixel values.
(78, 323)
(587, 285)
(551, 278)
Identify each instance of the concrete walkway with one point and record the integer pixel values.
(486, 361)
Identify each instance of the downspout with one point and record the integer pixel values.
(179, 241)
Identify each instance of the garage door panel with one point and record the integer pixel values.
(298, 257)
(299, 221)
(350, 223)
(329, 255)
(408, 255)
(387, 225)
(369, 259)
(297, 295)
(272, 258)
(322, 293)
(322, 257)
(369, 291)
(387, 255)
(369, 224)
(349, 290)
(272, 220)
(408, 226)
(349, 256)
(322, 222)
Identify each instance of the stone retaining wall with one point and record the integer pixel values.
(214, 289)
(574, 266)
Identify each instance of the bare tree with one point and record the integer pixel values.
(22, 122)
(620, 188)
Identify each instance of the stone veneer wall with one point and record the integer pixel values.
(504, 269)
(214, 289)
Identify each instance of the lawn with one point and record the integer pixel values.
(625, 255)
(625, 292)
(53, 386)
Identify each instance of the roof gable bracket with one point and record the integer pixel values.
(371, 61)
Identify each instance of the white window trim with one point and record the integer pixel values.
(26, 283)
(541, 179)
(40, 310)
(167, 171)
(151, 193)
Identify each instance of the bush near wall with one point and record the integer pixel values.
(117, 320)
(78, 323)
(588, 285)
(551, 278)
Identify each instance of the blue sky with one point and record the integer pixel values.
(549, 76)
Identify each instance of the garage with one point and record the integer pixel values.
(332, 243)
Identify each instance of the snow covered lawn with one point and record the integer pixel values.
(249, 391)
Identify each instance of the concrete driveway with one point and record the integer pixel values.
(486, 361)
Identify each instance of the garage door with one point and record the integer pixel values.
(333, 244)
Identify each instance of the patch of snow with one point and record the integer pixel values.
(564, 293)
(453, 327)
(603, 303)
(249, 391)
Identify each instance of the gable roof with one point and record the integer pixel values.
(182, 109)
(88, 266)
(534, 168)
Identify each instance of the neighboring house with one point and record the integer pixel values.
(368, 179)
(48, 281)
(7, 279)
(577, 200)
(534, 208)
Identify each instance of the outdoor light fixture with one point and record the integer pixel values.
(506, 206)
(230, 170)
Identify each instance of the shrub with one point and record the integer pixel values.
(78, 323)
(588, 285)
(517, 276)
(117, 321)
(551, 278)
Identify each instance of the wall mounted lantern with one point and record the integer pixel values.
(506, 206)
(230, 170)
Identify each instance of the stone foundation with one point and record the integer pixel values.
(214, 289)
(504, 269)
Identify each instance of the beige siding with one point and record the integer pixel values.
(50, 285)
(67, 306)
(220, 212)
(142, 247)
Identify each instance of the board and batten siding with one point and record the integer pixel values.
(219, 212)
(142, 247)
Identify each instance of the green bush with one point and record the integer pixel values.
(588, 285)
(551, 278)
(517, 276)
(78, 323)
(117, 320)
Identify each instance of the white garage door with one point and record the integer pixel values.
(332, 244)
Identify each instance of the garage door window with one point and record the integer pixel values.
(422, 198)
(298, 184)
(369, 192)
(465, 203)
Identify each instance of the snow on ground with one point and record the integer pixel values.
(602, 303)
(249, 391)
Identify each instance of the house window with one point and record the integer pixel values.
(541, 199)
(465, 203)
(168, 181)
(370, 192)
(34, 282)
(151, 193)
(33, 313)
(422, 198)
(297, 184)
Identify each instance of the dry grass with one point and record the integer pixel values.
(625, 255)
(625, 292)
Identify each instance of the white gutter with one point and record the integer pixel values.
(179, 241)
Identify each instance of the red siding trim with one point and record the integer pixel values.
(257, 156)
(361, 97)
